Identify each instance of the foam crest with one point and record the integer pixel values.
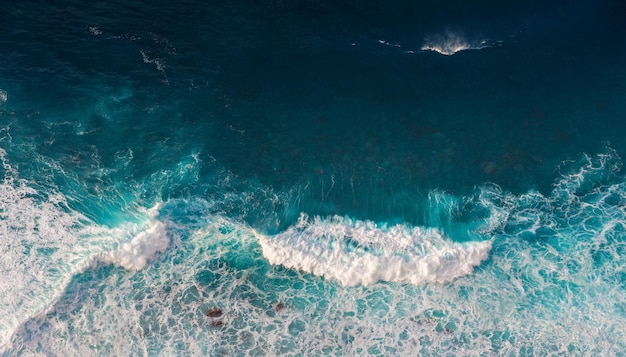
(449, 43)
(3, 96)
(361, 252)
(145, 246)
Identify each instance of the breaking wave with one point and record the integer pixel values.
(362, 252)
(449, 43)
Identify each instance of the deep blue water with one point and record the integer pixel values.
(437, 178)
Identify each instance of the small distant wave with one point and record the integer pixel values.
(360, 252)
(449, 43)
(3, 96)
(446, 43)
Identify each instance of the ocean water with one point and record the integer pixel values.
(431, 178)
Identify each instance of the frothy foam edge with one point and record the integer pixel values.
(360, 252)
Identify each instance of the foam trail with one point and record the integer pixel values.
(360, 252)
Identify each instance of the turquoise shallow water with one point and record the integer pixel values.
(350, 179)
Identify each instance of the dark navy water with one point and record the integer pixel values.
(436, 178)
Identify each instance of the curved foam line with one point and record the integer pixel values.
(358, 252)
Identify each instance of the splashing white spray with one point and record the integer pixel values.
(449, 43)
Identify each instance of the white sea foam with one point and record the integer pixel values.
(159, 63)
(383, 42)
(134, 255)
(449, 43)
(360, 252)
(553, 286)
(94, 30)
(44, 244)
(3, 96)
(40, 245)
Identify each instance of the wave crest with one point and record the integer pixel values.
(449, 43)
(144, 247)
(361, 252)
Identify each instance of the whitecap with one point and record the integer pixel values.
(94, 30)
(449, 43)
(134, 255)
(362, 252)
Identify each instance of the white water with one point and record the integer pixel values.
(449, 43)
(44, 244)
(145, 246)
(360, 252)
(550, 286)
